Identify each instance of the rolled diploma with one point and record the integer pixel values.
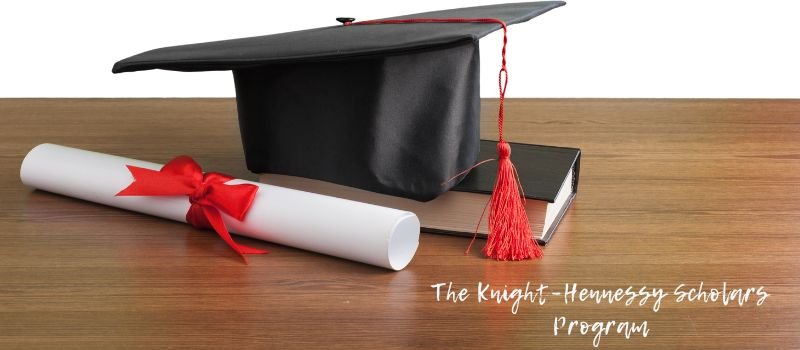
(343, 228)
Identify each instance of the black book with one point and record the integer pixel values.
(549, 178)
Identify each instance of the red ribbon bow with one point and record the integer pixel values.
(208, 194)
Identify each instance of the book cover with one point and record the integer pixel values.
(549, 177)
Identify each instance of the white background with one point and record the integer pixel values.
(589, 48)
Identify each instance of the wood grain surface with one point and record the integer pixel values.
(671, 192)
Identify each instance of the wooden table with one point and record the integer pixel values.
(671, 192)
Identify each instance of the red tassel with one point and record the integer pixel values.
(510, 235)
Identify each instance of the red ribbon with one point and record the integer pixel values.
(208, 194)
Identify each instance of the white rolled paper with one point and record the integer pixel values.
(343, 228)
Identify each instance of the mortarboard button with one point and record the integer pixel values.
(345, 20)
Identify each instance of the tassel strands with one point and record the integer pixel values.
(510, 235)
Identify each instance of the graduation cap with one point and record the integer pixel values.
(390, 106)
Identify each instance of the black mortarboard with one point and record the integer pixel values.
(390, 108)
